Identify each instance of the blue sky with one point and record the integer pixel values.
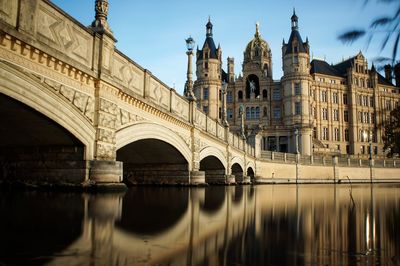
(153, 32)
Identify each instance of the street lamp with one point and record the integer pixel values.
(223, 91)
(189, 82)
(296, 134)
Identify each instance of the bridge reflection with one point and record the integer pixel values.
(263, 225)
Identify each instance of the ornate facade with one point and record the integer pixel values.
(334, 109)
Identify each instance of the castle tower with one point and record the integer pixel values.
(257, 64)
(207, 87)
(296, 82)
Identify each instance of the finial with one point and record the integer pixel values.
(100, 24)
(209, 26)
(294, 19)
(258, 28)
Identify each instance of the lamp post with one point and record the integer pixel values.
(296, 134)
(223, 91)
(189, 82)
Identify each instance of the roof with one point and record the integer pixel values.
(224, 76)
(209, 42)
(295, 35)
(322, 67)
(342, 67)
(383, 81)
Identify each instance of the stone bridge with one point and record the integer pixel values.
(76, 109)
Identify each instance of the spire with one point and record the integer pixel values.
(100, 24)
(209, 27)
(295, 21)
(257, 34)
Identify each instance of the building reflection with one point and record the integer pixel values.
(262, 225)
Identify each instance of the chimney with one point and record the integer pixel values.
(397, 74)
(388, 72)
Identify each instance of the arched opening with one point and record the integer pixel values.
(33, 147)
(153, 161)
(250, 173)
(240, 95)
(214, 170)
(237, 171)
(265, 94)
(152, 210)
(252, 86)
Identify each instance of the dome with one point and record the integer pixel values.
(256, 46)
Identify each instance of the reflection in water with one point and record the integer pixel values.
(262, 225)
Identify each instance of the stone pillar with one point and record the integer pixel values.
(257, 147)
(197, 177)
(305, 141)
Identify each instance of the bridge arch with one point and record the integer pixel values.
(153, 154)
(33, 94)
(212, 151)
(148, 130)
(239, 161)
(250, 170)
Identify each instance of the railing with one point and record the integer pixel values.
(349, 161)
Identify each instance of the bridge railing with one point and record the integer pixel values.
(327, 160)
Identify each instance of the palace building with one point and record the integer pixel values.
(332, 109)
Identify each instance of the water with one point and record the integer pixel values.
(242, 225)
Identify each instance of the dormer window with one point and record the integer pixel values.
(206, 55)
(295, 49)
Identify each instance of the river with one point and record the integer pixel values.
(235, 225)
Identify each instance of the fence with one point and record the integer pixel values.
(349, 161)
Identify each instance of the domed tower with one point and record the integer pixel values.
(257, 64)
(296, 82)
(207, 87)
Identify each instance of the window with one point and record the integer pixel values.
(219, 95)
(220, 113)
(324, 114)
(206, 65)
(336, 115)
(346, 135)
(388, 105)
(365, 100)
(372, 116)
(229, 97)
(360, 117)
(205, 109)
(276, 94)
(297, 88)
(345, 98)
(240, 95)
(297, 108)
(248, 113)
(277, 112)
(365, 118)
(362, 149)
(229, 113)
(205, 93)
(325, 135)
(253, 113)
(371, 101)
(346, 115)
(335, 97)
(315, 112)
(257, 112)
(337, 134)
(314, 132)
(265, 94)
(323, 96)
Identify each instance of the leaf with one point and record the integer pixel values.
(396, 43)
(351, 36)
(380, 22)
(385, 40)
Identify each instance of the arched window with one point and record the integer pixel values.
(265, 94)
(253, 113)
(248, 114)
(240, 95)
